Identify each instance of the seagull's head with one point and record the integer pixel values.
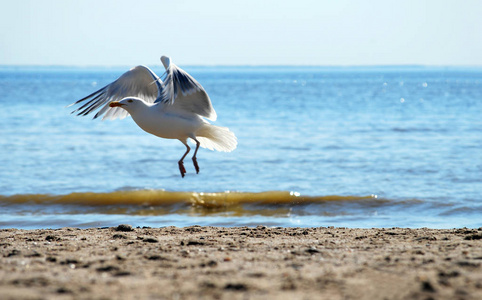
(166, 61)
(129, 103)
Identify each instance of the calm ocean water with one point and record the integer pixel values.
(354, 147)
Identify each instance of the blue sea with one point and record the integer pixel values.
(317, 146)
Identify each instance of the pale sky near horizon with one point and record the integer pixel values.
(217, 32)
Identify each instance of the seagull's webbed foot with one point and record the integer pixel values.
(181, 168)
(196, 166)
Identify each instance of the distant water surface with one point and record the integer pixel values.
(391, 146)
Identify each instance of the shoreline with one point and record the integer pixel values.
(240, 263)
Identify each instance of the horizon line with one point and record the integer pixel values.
(248, 66)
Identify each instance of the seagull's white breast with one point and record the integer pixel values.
(165, 124)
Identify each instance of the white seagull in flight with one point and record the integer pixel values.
(172, 108)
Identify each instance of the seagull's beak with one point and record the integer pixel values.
(116, 104)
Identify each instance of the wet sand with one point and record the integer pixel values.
(240, 263)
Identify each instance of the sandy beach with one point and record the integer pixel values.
(240, 263)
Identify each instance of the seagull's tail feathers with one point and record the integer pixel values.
(216, 138)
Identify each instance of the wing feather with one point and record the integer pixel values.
(139, 82)
(182, 93)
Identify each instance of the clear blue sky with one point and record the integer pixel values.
(250, 32)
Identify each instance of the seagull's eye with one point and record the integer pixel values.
(130, 101)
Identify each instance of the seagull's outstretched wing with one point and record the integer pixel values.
(139, 82)
(184, 94)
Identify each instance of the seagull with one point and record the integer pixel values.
(174, 107)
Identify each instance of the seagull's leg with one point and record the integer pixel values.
(194, 159)
(181, 164)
